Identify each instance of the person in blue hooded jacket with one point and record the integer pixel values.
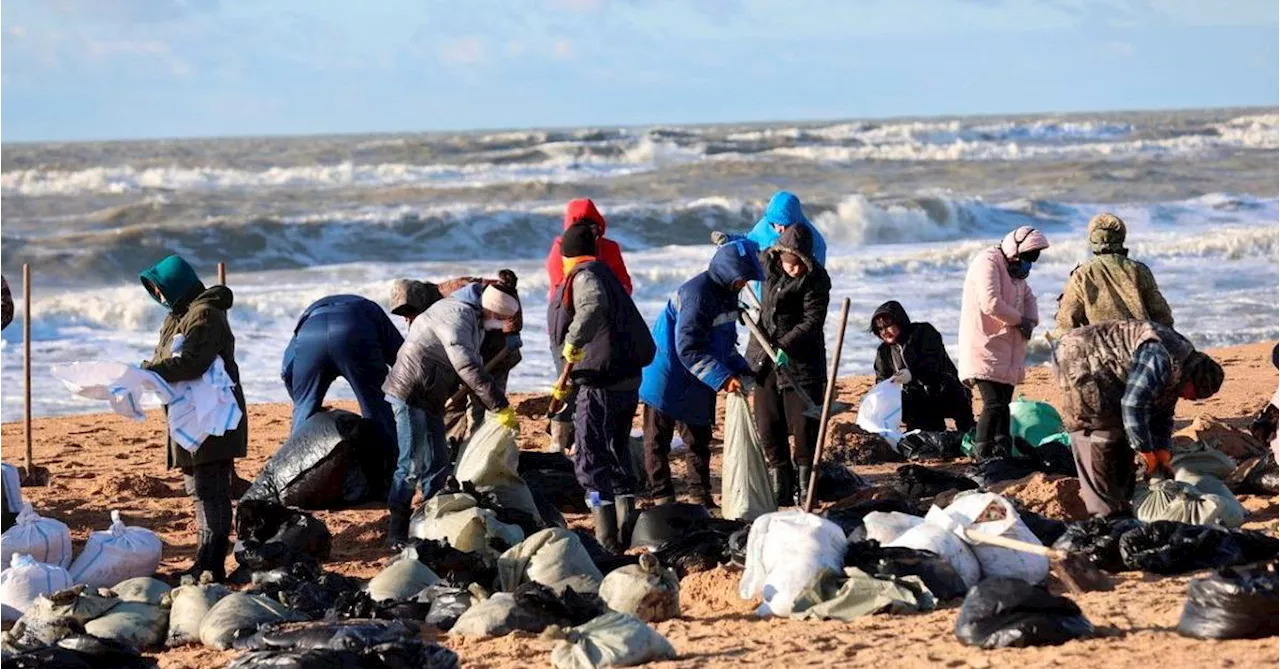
(696, 337)
(782, 212)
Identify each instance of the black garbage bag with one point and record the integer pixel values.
(938, 574)
(335, 461)
(1011, 613)
(837, 481)
(918, 482)
(603, 559)
(1167, 547)
(1056, 458)
(447, 603)
(849, 518)
(657, 525)
(356, 635)
(696, 551)
(1098, 539)
(995, 470)
(1047, 530)
(304, 587)
(738, 547)
(1256, 476)
(457, 568)
(1239, 603)
(568, 608)
(551, 479)
(81, 651)
(271, 535)
(926, 445)
(404, 654)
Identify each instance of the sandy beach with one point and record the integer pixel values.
(102, 462)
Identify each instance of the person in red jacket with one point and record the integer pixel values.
(607, 252)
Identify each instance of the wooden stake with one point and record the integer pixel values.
(26, 360)
(222, 274)
(826, 408)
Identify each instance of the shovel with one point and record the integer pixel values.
(556, 405)
(458, 397)
(811, 408)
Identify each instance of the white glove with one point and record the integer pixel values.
(901, 377)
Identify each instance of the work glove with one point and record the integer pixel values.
(560, 391)
(719, 238)
(901, 377)
(506, 417)
(780, 358)
(732, 385)
(513, 341)
(572, 353)
(1158, 462)
(1026, 327)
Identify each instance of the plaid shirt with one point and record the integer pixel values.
(1147, 424)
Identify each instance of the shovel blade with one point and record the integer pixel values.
(1080, 575)
(34, 477)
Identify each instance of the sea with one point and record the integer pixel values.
(904, 204)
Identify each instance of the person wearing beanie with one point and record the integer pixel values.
(1120, 381)
(579, 243)
(1110, 286)
(600, 332)
(409, 298)
(441, 352)
(199, 316)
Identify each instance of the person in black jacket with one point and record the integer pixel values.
(794, 301)
(914, 356)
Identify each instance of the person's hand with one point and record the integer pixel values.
(1158, 462)
(506, 417)
(1026, 327)
(572, 353)
(719, 238)
(901, 377)
(513, 341)
(560, 391)
(733, 385)
(780, 358)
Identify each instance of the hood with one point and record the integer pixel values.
(584, 210)
(1107, 233)
(219, 297)
(470, 295)
(733, 261)
(894, 310)
(1025, 238)
(783, 209)
(797, 240)
(175, 278)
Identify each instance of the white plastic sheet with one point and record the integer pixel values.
(881, 411)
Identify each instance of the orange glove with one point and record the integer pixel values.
(733, 385)
(1158, 462)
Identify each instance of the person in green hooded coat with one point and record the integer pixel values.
(199, 315)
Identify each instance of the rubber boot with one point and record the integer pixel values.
(625, 509)
(561, 436)
(781, 478)
(216, 559)
(605, 520)
(802, 487)
(398, 526)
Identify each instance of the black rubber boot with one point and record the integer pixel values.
(606, 524)
(782, 479)
(802, 484)
(625, 510)
(398, 527)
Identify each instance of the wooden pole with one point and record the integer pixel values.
(26, 361)
(826, 408)
(222, 274)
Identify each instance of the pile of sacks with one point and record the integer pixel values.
(1197, 494)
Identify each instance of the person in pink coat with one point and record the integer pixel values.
(997, 315)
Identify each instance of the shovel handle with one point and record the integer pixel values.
(1012, 544)
(488, 367)
(556, 405)
(809, 405)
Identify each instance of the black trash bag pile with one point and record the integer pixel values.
(569, 608)
(447, 604)
(336, 460)
(1256, 476)
(849, 518)
(919, 482)
(1167, 547)
(926, 445)
(455, 567)
(603, 559)
(371, 644)
(1098, 539)
(1047, 530)
(657, 525)
(81, 651)
(1011, 613)
(836, 481)
(304, 587)
(1237, 603)
(994, 470)
(701, 548)
(487, 500)
(271, 535)
(551, 479)
(358, 604)
(738, 547)
(937, 574)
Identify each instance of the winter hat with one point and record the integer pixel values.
(495, 300)
(578, 241)
(409, 298)
(1204, 373)
(1022, 240)
(1106, 233)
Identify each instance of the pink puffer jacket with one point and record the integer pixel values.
(994, 303)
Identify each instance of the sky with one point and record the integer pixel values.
(117, 69)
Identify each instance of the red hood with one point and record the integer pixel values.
(584, 209)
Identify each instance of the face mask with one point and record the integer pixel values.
(494, 323)
(1020, 269)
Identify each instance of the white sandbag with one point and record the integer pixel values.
(1233, 513)
(993, 515)
(25, 580)
(490, 459)
(240, 612)
(456, 519)
(402, 579)
(188, 605)
(745, 490)
(611, 640)
(498, 616)
(1202, 460)
(45, 539)
(141, 589)
(554, 557)
(885, 526)
(646, 590)
(939, 539)
(881, 411)
(785, 549)
(135, 624)
(118, 553)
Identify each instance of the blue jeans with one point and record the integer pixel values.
(423, 453)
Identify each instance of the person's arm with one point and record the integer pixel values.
(202, 342)
(1157, 308)
(1030, 307)
(817, 297)
(591, 310)
(884, 363)
(986, 281)
(925, 362)
(467, 362)
(693, 344)
(1145, 424)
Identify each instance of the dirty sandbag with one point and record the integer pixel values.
(853, 593)
(1047, 530)
(453, 566)
(1169, 548)
(648, 590)
(1166, 499)
(141, 589)
(881, 411)
(745, 491)
(992, 515)
(188, 604)
(529, 523)
(45, 539)
(117, 553)
(918, 482)
(994, 470)
(931, 445)
(1256, 476)
(25, 580)
(611, 640)
(550, 476)
(554, 557)
(490, 460)
(336, 460)
(1011, 613)
(836, 480)
(238, 615)
(935, 572)
(936, 536)
(849, 515)
(1232, 513)
(657, 525)
(1098, 539)
(499, 615)
(135, 624)
(1232, 604)
(81, 651)
(458, 519)
(884, 527)
(785, 550)
(402, 579)
(1202, 460)
(263, 522)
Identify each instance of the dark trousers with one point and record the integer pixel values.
(928, 408)
(780, 413)
(326, 347)
(209, 486)
(1106, 466)
(658, 430)
(992, 437)
(602, 441)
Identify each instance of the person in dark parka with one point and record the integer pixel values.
(912, 353)
(199, 316)
(795, 296)
(344, 336)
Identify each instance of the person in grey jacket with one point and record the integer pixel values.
(442, 350)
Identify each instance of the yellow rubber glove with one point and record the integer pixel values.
(559, 392)
(507, 418)
(573, 353)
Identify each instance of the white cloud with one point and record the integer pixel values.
(562, 49)
(464, 51)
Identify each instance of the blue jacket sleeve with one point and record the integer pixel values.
(693, 343)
